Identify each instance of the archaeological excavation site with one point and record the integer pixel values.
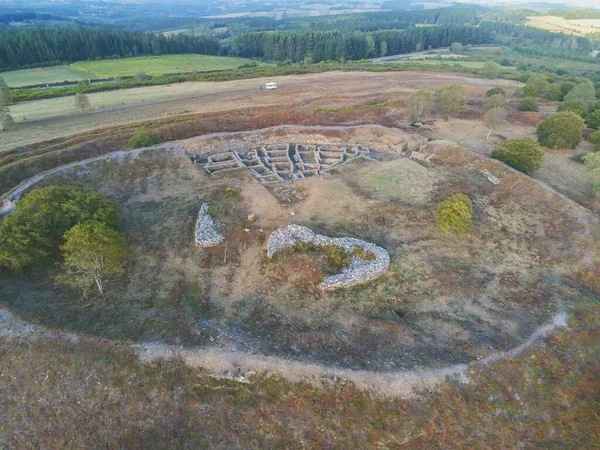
(300, 249)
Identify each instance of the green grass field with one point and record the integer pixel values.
(157, 65)
(448, 63)
(43, 75)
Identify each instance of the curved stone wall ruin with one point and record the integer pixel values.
(359, 271)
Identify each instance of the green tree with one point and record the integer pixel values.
(490, 70)
(583, 91)
(451, 100)
(383, 48)
(591, 162)
(528, 104)
(494, 119)
(494, 101)
(592, 119)
(455, 214)
(552, 92)
(579, 107)
(31, 234)
(523, 154)
(456, 47)
(562, 130)
(419, 103)
(141, 75)
(81, 101)
(5, 94)
(370, 45)
(6, 120)
(92, 252)
(566, 87)
(595, 137)
(535, 86)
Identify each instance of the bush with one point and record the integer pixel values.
(578, 156)
(528, 104)
(455, 214)
(143, 138)
(494, 101)
(523, 154)
(562, 130)
(495, 91)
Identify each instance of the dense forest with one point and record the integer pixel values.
(22, 48)
(576, 13)
(539, 37)
(335, 45)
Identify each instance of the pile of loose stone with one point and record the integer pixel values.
(206, 231)
(359, 271)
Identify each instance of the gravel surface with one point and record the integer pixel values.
(206, 232)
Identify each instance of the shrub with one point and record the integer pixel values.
(535, 86)
(495, 91)
(490, 70)
(455, 214)
(562, 130)
(583, 91)
(523, 154)
(143, 138)
(591, 161)
(528, 104)
(578, 156)
(566, 87)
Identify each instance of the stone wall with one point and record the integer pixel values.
(206, 231)
(359, 271)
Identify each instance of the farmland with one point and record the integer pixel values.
(158, 65)
(43, 75)
(579, 27)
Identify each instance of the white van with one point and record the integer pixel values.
(271, 85)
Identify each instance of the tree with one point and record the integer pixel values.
(6, 120)
(528, 104)
(494, 118)
(31, 234)
(81, 101)
(419, 103)
(490, 70)
(595, 137)
(456, 47)
(562, 130)
(535, 86)
(383, 48)
(579, 107)
(583, 91)
(592, 119)
(494, 101)
(523, 154)
(92, 252)
(566, 87)
(455, 214)
(451, 100)
(141, 75)
(5, 94)
(552, 92)
(591, 162)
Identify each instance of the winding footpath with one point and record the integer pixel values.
(221, 363)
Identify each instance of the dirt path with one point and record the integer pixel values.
(238, 366)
